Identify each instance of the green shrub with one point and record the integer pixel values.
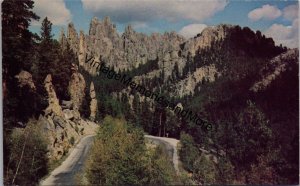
(188, 152)
(119, 157)
(204, 171)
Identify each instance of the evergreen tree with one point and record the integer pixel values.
(17, 39)
(46, 34)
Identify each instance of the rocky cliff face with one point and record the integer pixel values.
(275, 67)
(187, 86)
(206, 38)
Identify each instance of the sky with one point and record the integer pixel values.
(276, 19)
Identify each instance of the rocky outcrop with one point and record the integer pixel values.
(53, 107)
(63, 40)
(64, 127)
(25, 79)
(93, 104)
(76, 89)
(73, 38)
(104, 44)
(82, 49)
(275, 68)
(206, 38)
(187, 86)
(64, 132)
(66, 104)
(131, 49)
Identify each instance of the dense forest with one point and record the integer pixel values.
(254, 138)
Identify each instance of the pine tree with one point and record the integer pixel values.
(46, 31)
(17, 39)
(47, 53)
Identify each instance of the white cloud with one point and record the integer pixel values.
(265, 12)
(192, 30)
(124, 11)
(285, 35)
(138, 25)
(55, 10)
(291, 12)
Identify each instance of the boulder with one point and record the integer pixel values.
(68, 114)
(59, 121)
(44, 122)
(66, 104)
(25, 79)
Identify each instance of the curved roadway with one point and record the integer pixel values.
(66, 173)
(171, 146)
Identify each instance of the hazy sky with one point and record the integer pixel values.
(277, 19)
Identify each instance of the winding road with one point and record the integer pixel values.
(171, 146)
(66, 173)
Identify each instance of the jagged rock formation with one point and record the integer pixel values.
(72, 38)
(104, 44)
(275, 67)
(25, 79)
(76, 89)
(63, 40)
(54, 107)
(93, 104)
(170, 53)
(63, 124)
